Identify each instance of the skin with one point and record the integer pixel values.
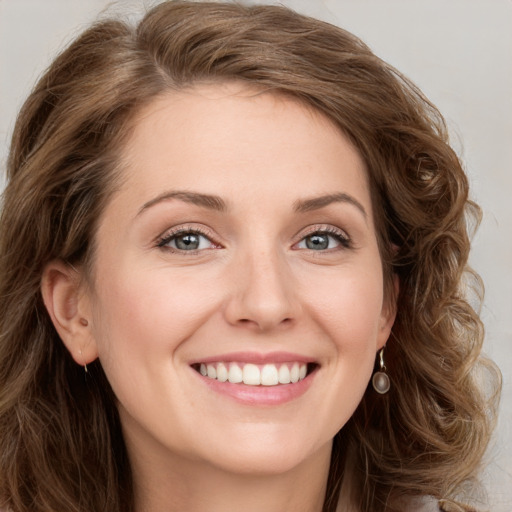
(254, 285)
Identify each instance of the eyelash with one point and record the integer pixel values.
(169, 236)
(339, 235)
(164, 241)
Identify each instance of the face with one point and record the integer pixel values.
(237, 297)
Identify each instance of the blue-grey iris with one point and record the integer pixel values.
(317, 242)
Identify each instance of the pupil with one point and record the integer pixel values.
(317, 242)
(187, 242)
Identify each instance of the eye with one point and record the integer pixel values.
(186, 240)
(323, 241)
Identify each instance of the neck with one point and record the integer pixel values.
(180, 485)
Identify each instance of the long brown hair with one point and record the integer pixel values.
(61, 446)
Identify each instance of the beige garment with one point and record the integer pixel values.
(423, 504)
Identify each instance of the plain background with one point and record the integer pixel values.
(458, 51)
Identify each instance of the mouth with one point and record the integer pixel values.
(250, 374)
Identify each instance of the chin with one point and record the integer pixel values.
(264, 456)
(260, 465)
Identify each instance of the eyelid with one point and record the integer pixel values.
(328, 229)
(173, 232)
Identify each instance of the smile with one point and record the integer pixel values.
(254, 374)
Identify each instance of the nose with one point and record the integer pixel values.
(263, 294)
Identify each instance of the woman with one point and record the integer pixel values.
(233, 245)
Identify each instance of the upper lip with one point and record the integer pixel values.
(256, 358)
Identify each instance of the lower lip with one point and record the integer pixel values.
(260, 395)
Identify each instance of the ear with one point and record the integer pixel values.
(388, 314)
(69, 308)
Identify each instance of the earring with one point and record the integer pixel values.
(85, 323)
(85, 364)
(380, 379)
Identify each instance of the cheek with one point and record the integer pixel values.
(153, 309)
(348, 304)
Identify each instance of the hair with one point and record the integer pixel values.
(61, 446)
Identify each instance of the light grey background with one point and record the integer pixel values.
(458, 51)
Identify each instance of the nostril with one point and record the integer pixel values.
(264, 324)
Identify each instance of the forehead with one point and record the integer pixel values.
(225, 137)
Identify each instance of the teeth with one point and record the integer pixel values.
(222, 372)
(235, 374)
(254, 375)
(294, 373)
(284, 374)
(212, 372)
(269, 375)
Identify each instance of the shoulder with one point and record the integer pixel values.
(426, 504)
(419, 504)
(416, 504)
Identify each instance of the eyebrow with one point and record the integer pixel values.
(216, 203)
(205, 200)
(315, 203)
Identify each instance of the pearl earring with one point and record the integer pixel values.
(380, 379)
